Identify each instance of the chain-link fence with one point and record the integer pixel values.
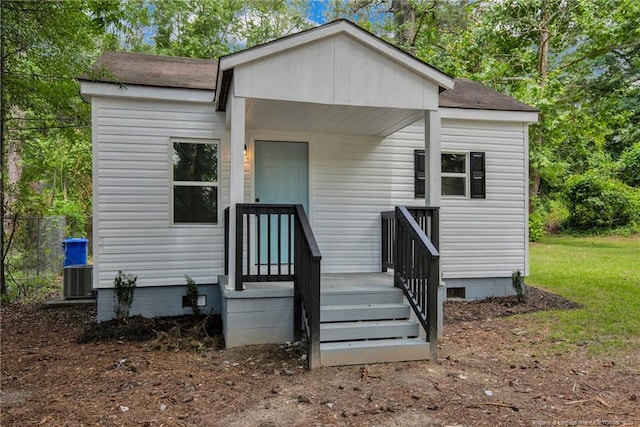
(35, 256)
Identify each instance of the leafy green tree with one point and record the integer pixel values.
(205, 28)
(44, 46)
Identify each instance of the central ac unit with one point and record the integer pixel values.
(77, 281)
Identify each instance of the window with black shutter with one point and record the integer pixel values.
(478, 184)
(456, 173)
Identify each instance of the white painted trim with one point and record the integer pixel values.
(91, 89)
(96, 244)
(237, 110)
(329, 30)
(525, 130)
(433, 160)
(495, 115)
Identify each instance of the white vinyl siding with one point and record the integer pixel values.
(337, 70)
(132, 200)
(353, 179)
(491, 241)
(483, 237)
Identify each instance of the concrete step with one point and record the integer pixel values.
(351, 331)
(376, 351)
(383, 295)
(350, 313)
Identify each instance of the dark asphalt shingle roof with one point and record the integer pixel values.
(476, 96)
(153, 70)
(177, 72)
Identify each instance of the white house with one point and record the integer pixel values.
(341, 123)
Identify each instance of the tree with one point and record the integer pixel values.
(577, 62)
(204, 28)
(44, 46)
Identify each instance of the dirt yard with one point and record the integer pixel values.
(491, 371)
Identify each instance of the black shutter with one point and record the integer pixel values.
(478, 185)
(418, 167)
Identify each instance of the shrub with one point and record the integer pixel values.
(557, 214)
(192, 295)
(125, 287)
(630, 166)
(537, 228)
(517, 281)
(597, 201)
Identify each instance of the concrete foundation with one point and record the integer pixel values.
(155, 301)
(261, 314)
(482, 287)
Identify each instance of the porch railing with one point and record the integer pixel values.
(276, 243)
(416, 263)
(427, 218)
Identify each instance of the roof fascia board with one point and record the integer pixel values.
(90, 89)
(337, 27)
(495, 115)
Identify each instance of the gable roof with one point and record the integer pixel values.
(335, 27)
(188, 73)
(153, 70)
(475, 96)
(227, 63)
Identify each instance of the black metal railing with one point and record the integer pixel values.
(276, 243)
(427, 218)
(264, 243)
(406, 238)
(306, 291)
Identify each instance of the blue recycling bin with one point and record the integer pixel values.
(75, 251)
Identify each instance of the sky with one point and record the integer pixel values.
(317, 8)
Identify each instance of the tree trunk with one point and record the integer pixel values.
(405, 19)
(13, 172)
(543, 75)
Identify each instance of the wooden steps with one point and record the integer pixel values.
(368, 325)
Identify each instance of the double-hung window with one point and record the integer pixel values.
(195, 176)
(463, 174)
(454, 174)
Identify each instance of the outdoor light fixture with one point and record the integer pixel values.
(245, 150)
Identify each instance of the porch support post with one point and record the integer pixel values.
(236, 110)
(433, 191)
(433, 169)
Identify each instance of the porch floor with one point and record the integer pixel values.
(336, 282)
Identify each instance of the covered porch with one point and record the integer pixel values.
(280, 294)
(333, 95)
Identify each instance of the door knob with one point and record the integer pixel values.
(257, 200)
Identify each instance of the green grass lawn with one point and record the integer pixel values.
(600, 273)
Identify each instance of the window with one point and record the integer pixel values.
(454, 174)
(457, 170)
(195, 182)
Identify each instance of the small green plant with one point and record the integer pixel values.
(125, 287)
(517, 281)
(192, 295)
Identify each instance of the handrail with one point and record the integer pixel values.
(276, 243)
(306, 286)
(417, 272)
(308, 233)
(426, 217)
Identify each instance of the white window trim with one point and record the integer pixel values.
(466, 175)
(216, 184)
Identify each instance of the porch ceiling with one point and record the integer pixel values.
(289, 116)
